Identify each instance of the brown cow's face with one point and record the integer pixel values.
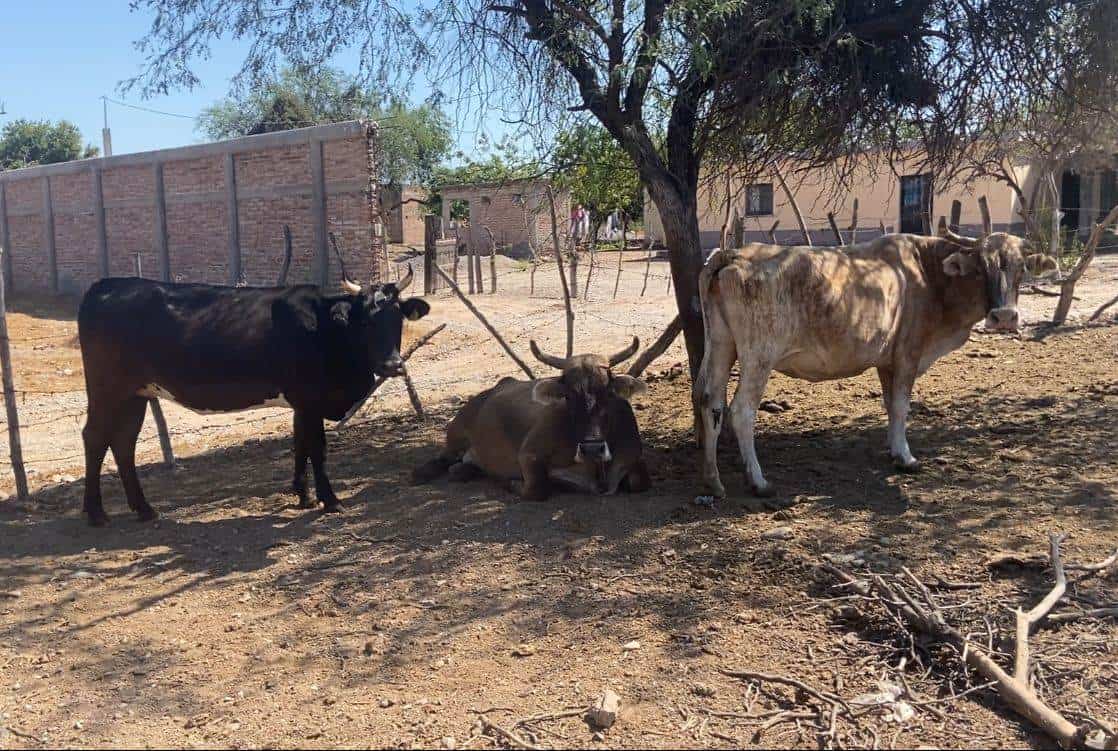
(586, 387)
(1000, 262)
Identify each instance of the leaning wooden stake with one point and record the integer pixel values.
(772, 232)
(659, 347)
(795, 206)
(413, 395)
(928, 619)
(164, 434)
(647, 268)
(956, 215)
(881, 225)
(589, 276)
(854, 224)
(1067, 287)
(14, 446)
(380, 381)
(485, 322)
(562, 276)
(492, 259)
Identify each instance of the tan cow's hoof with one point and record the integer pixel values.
(761, 491)
(907, 467)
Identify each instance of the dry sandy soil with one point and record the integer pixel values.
(237, 620)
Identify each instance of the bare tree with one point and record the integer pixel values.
(680, 82)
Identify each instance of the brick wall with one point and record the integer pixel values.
(516, 212)
(272, 179)
(404, 214)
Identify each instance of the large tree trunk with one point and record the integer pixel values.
(678, 209)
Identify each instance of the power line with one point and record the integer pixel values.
(149, 109)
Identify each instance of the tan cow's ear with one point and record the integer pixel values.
(549, 391)
(627, 387)
(960, 264)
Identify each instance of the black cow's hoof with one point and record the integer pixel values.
(332, 508)
(147, 514)
(97, 518)
(306, 504)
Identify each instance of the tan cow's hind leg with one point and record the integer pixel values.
(708, 396)
(896, 393)
(743, 413)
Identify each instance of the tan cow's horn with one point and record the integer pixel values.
(626, 353)
(559, 363)
(352, 288)
(403, 283)
(945, 232)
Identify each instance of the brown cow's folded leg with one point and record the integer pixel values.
(536, 485)
(129, 420)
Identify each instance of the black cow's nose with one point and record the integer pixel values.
(1003, 319)
(393, 366)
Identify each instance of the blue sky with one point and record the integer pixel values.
(58, 58)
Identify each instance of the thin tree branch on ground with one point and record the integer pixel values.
(1103, 308)
(1067, 287)
(928, 619)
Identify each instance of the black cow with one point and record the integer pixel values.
(223, 349)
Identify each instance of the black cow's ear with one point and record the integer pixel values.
(339, 313)
(549, 391)
(413, 308)
(627, 387)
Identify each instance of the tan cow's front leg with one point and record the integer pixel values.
(896, 393)
(743, 413)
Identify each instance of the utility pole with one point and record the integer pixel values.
(106, 136)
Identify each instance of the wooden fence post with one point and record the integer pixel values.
(430, 252)
(854, 224)
(10, 394)
(470, 286)
(164, 436)
(956, 215)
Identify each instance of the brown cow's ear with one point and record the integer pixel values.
(549, 391)
(960, 264)
(627, 387)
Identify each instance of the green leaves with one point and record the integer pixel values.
(26, 142)
(600, 175)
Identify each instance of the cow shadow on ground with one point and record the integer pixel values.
(440, 561)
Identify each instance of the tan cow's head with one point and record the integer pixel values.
(586, 385)
(1000, 260)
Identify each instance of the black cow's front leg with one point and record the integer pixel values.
(299, 483)
(315, 433)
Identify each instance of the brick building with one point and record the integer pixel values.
(206, 213)
(404, 209)
(516, 212)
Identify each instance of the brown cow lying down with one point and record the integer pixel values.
(576, 430)
(897, 304)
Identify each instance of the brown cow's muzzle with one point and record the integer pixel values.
(1003, 319)
(593, 451)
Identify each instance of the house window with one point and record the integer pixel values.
(759, 199)
(916, 203)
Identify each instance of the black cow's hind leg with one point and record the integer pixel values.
(299, 483)
(95, 436)
(315, 434)
(129, 420)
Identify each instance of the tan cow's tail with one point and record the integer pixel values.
(718, 260)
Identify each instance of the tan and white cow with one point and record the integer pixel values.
(897, 304)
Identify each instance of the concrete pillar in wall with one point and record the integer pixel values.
(5, 240)
(161, 225)
(99, 221)
(318, 213)
(233, 217)
(48, 234)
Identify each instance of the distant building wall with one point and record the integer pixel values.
(208, 213)
(871, 181)
(517, 212)
(403, 213)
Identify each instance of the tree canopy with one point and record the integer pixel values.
(414, 139)
(28, 142)
(728, 83)
(601, 176)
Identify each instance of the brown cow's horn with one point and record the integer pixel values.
(403, 283)
(947, 234)
(559, 363)
(626, 353)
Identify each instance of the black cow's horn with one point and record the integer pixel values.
(352, 288)
(403, 283)
(559, 363)
(626, 353)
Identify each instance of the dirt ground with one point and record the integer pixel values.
(237, 620)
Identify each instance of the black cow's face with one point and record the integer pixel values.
(379, 325)
(586, 386)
